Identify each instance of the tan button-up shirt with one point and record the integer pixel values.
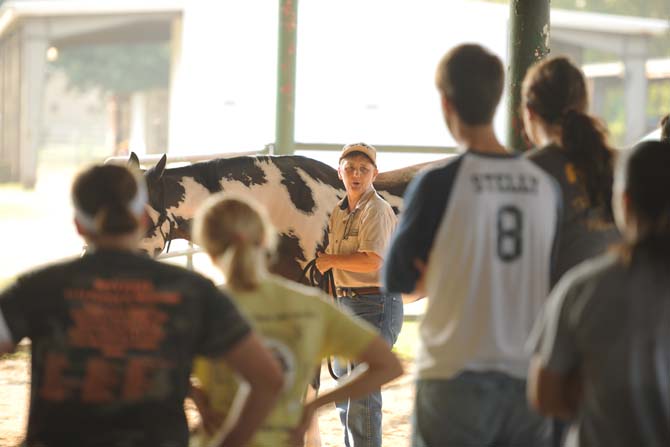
(367, 228)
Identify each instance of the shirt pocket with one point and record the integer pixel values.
(350, 243)
(352, 230)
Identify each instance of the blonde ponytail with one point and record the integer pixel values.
(237, 235)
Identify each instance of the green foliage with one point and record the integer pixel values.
(614, 114)
(116, 69)
(658, 100)
(614, 110)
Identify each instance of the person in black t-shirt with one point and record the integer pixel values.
(601, 348)
(114, 333)
(572, 147)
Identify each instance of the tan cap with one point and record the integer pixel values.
(367, 149)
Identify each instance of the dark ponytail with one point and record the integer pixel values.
(102, 196)
(555, 89)
(584, 140)
(665, 128)
(115, 219)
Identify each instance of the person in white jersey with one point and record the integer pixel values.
(476, 236)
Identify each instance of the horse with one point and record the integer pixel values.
(299, 194)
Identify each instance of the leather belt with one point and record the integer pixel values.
(351, 291)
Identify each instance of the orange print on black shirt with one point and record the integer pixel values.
(117, 316)
(112, 317)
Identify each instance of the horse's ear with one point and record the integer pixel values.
(133, 161)
(160, 166)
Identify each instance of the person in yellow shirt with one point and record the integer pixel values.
(297, 324)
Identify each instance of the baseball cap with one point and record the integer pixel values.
(365, 148)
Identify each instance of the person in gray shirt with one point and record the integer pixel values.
(572, 148)
(602, 344)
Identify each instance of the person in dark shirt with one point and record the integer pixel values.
(602, 345)
(572, 148)
(114, 333)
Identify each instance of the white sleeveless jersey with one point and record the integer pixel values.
(489, 267)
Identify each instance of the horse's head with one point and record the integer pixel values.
(160, 227)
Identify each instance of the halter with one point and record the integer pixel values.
(162, 217)
(167, 237)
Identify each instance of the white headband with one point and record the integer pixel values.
(135, 206)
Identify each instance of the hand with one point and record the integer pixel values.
(324, 262)
(297, 435)
(211, 419)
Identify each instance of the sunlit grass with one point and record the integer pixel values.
(17, 203)
(4, 282)
(405, 346)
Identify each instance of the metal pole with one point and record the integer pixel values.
(528, 43)
(286, 63)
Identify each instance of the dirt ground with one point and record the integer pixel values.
(14, 395)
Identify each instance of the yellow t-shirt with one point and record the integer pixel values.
(301, 327)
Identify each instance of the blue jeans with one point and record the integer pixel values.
(362, 418)
(476, 409)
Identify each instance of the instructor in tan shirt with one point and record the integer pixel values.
(359, 231)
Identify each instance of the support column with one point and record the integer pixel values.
(635, 90)
(528, 43)
(33, 68)
(286, 67)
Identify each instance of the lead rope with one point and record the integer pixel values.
(326, 282)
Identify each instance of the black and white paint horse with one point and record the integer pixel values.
(298, 192)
